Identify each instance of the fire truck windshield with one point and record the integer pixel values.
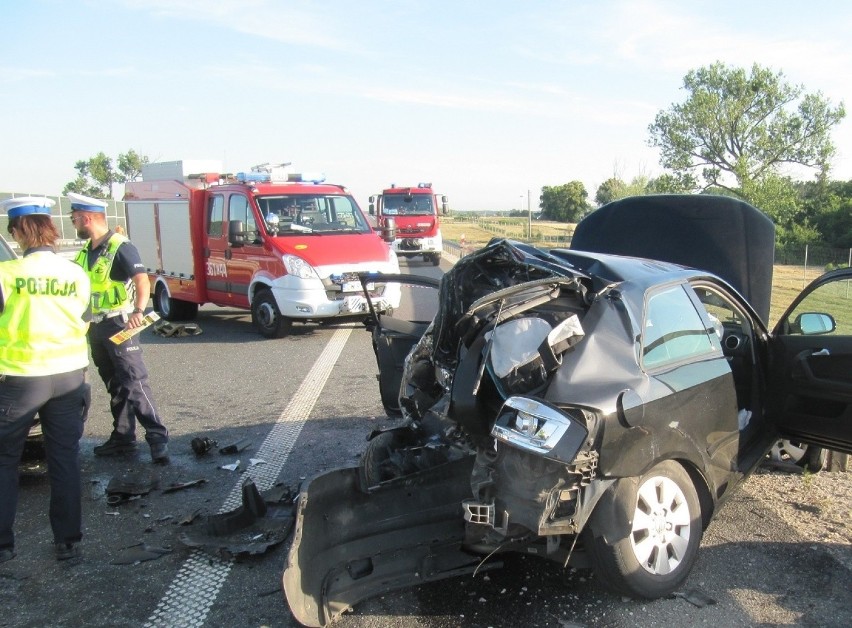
(413, 205)
(286, 215)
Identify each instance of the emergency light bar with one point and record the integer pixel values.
(306, 177)
(254, 177)
(424, 185)
(291, 177)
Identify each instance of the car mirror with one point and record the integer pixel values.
(389, 230)
(814, 323)
(236, 235)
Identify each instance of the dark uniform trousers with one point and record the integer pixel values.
(62, 403)
(122, 370)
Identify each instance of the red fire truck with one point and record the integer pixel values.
(288, 247)
(415, 211)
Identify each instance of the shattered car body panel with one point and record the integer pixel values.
(606, 406)
(263, 520)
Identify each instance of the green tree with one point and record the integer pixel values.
(672, 183)
(564, 203)
(828, 206)
(779, 199)
(610, 190)
(614, 188)
(130, 166)
(96, 175)
(744, 126)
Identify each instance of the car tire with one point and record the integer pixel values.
(806, 456)
(376, 458)
(644, 542)
(266, 316)
(173, 309)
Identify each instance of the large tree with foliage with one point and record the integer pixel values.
(96, 175)
(737, 128)
(828, 206)
(564, 203)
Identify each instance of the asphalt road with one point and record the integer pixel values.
(306, 404)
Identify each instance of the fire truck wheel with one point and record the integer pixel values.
(436, 259)
(267, 317)
(173, 309)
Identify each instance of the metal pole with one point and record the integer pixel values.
(529, 217)
(805, 270)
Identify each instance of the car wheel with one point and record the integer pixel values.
(173, 309)
(648, 550)
(267, 317)
(806, 456)
(377, 458)
(162, 303)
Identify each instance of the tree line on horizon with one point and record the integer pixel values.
(734, 134)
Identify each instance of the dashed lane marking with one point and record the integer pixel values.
(191, 595)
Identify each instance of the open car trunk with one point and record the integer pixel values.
(723, 235)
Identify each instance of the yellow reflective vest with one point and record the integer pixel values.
(42, 331)
(107, 295)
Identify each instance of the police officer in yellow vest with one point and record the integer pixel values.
(120, 292)
(44, 313)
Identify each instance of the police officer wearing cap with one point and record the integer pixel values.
(120, 292)
(44, 313)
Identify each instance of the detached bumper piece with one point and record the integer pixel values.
(350, 545)
(261, 522)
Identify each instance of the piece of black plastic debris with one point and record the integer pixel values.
(190, 517)
(261, 522)
(171, 488)
(202, 445)
(123, 488)
(695, 597)
(140, 553)
(235, 448)
(120, 498)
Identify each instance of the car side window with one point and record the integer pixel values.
(215, 215)
(827, 310)
(673, 330)
(238, 209)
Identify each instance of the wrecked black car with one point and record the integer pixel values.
(594, 406)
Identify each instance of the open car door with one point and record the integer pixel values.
(810, 377)
(396, 333)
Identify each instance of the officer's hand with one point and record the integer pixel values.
(134, 320)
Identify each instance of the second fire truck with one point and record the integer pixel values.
(415, 211)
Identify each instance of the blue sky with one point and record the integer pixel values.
(486, 99)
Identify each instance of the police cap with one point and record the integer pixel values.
(80, 203)
(26, 205)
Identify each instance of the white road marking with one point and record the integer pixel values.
(189, 598)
